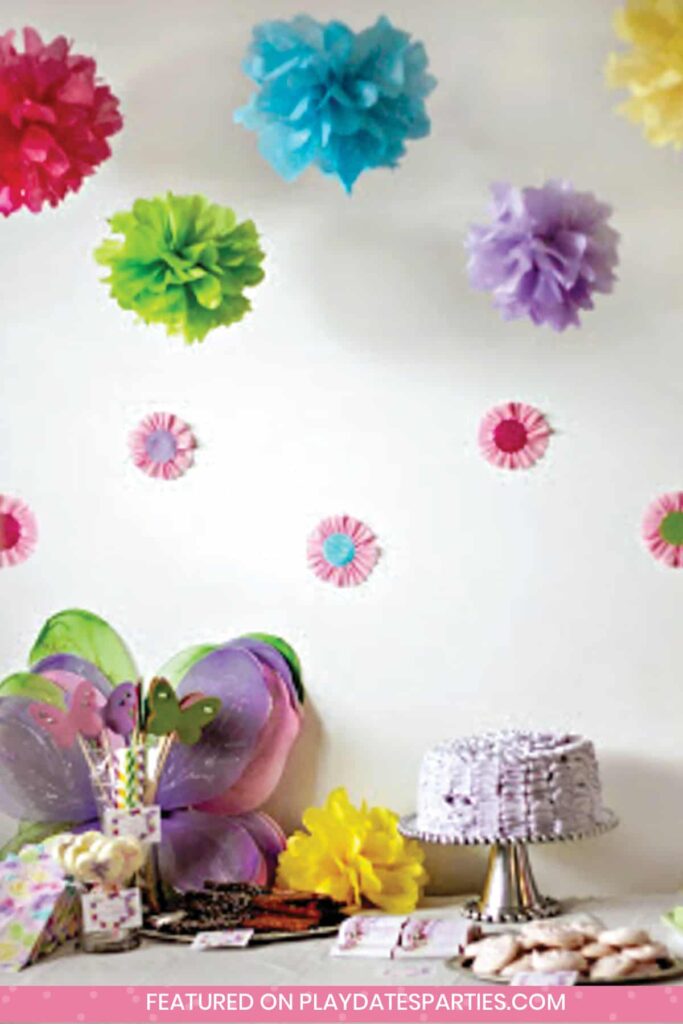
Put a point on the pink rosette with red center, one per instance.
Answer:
(18, 531)
(514, 435)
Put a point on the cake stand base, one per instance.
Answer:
(510, 892)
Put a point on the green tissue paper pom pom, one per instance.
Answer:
(183, 262)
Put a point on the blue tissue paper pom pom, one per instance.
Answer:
(328, 96)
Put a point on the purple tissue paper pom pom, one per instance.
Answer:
(545, 253)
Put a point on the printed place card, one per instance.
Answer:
(403, 938)
(438, 938)
(143, 823)
(104, 909)
(368, 936)
(233, 938)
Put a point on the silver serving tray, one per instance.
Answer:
(665, 974)
(320, 932)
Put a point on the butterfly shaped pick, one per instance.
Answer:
(121, 710)
(81, 718)
(186, 718)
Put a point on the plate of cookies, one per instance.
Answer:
(594, 954)
(271, 914)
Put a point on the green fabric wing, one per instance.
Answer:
(26, 684)
(87, 636)
(181, 663)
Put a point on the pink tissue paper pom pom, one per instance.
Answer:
(55, 118)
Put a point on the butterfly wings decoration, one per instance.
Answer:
(235, 709)
(39, 780)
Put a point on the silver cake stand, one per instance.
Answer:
(510, 892)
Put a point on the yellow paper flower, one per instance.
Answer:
(356, 855)
(652, 70)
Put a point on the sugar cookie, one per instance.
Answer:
(558, 960)
(498, 952)
(649, 951)
(522, 964)
(595, 950)
(553, 936)
(619, 937)
(610, 968)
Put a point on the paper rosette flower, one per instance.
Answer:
(663, 529)
(183, 262)
(18, 531)
(343, 101)
(652, 69)
(356, 855)
(514, 435)
(162, 446)
(55, 119)
(545, 253)
(209, 792)
(343, 551)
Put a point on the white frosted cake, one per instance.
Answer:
(509, 784)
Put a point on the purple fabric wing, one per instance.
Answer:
(199, 847)
(269, 837)
(78, 666)
(272, 658)
(196, 773)
(38, 780)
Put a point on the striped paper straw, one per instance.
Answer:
(130, 776)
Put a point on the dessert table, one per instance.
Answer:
(308, 961)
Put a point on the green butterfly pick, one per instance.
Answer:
(166, 714)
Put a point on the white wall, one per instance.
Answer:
(357, 386)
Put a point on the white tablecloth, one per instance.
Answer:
(306, 962)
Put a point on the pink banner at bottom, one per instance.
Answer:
(121, 1004)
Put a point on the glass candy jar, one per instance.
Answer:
(111, 919)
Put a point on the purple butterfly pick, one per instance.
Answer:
(121, 710)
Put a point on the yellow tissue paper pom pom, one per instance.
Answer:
(652, 70)
(356, 855)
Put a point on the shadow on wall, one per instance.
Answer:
(647, 844)
(210, 145)
(297, 788)
(428, 267)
